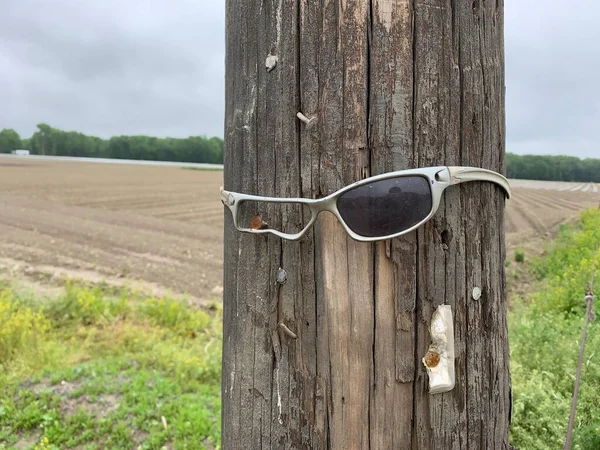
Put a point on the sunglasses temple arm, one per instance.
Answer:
(460, 174)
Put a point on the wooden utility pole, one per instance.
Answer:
(332, 358)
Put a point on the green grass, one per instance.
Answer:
(544, 335)
(98, 368)
(93, 371)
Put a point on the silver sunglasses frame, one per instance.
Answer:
(439, 177)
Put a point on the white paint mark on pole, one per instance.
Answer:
(279, 419)
(278, 25)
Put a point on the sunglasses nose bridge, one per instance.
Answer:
(324, 204)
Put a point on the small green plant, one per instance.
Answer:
(174, 315)
(87, 306)
(519, 256)
(44, 445)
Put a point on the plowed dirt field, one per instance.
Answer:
(538, 207)
(161, 227)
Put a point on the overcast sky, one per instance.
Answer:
(156, 67)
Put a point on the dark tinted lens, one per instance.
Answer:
(386, 207)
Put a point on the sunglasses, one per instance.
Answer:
(376, 208)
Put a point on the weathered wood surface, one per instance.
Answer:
(392, 84)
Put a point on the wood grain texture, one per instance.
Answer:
(391, 84)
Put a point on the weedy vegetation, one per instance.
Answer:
(96, 370)
(544, 336)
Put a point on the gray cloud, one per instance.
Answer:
(156, 67)
(112, 67)
(552, 64)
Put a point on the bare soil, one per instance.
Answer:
(160, 229)
(538, 207)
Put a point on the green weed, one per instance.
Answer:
(120, 369)
(519, 256)
(21, 328)
(544, 335)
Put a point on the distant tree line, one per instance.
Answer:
(9, 140)
(52, 141)
(556, 168)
